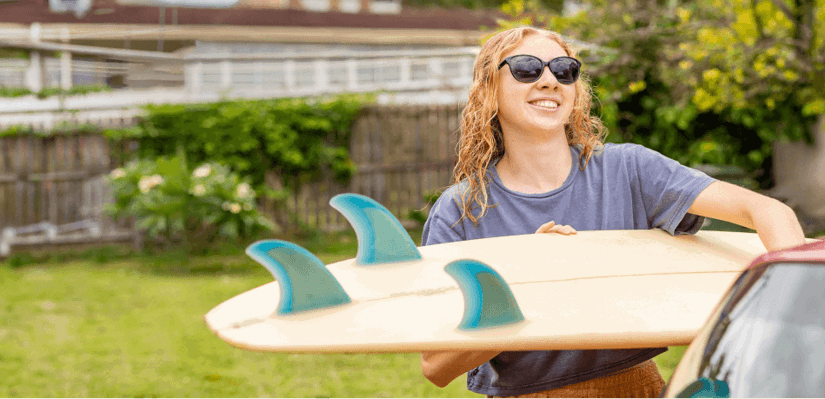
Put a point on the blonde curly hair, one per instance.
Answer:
(481, 140)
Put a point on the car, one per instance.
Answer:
(766, 337)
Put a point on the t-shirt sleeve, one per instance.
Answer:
(441, 226)
(668, 191)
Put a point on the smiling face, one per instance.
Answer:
(538, 108)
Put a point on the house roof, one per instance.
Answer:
(110, 12)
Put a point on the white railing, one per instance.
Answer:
(213, 77)
(307, 74)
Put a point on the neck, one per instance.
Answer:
(534, 164)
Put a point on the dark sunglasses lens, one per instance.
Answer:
(526, 69)
(566, 70)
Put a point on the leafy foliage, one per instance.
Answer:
(277, 144)
(173, 203)
(62, 128)
(296, 139)
(13, 53)
(14, 91)
(53, 91)
(73, 91)
(755, 54)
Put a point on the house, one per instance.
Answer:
(273, 46)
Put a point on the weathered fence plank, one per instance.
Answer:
(401, 154)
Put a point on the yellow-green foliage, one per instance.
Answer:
(754, 54)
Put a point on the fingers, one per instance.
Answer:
(551, 227)
(566, 230)
(545, 227)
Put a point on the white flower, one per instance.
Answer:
(144, 185)
(202, 171)
(235, 208)
(243, 191)
(117, 173)
(147, 183)
(199, 190)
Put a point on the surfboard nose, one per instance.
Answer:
(381, 237)
(488, 300)
(305, 282)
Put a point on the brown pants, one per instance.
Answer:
(640, 381)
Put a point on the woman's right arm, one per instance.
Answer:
(441, 368)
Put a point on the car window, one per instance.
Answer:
(770, 337)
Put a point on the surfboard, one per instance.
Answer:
(592, 290)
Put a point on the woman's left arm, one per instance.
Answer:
(775, 222)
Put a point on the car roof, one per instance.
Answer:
(813, 252)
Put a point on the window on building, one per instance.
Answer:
(243, 74)
(211, 76)
(337, 73)
(272, 75)
(419, 70)
(304, 74)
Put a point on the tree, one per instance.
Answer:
(756, 54)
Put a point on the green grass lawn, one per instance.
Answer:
(133, 327)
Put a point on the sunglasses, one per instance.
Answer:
(528, 68)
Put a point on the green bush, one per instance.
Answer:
(62, 128)
(73, 91)
(742, 138)
(290, 140)
(17, 130)
(174, 204)
(14, 91)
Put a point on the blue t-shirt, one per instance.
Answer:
(623, 187)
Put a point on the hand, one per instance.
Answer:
(551, 227)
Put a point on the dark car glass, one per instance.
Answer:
(770, 338)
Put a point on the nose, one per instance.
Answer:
(547, 79)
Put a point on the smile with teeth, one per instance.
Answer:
(549, 104)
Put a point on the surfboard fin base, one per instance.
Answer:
(305, 282)
(381, 238)
(488, 301)
(706, 388)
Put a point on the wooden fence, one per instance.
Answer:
(401, 154)
(57, 179)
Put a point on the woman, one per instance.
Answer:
(531, 153)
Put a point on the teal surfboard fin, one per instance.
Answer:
(706, 388)
(488, 301)
(305, 282)
(381, 238)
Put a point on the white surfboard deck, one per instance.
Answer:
(592, 290)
